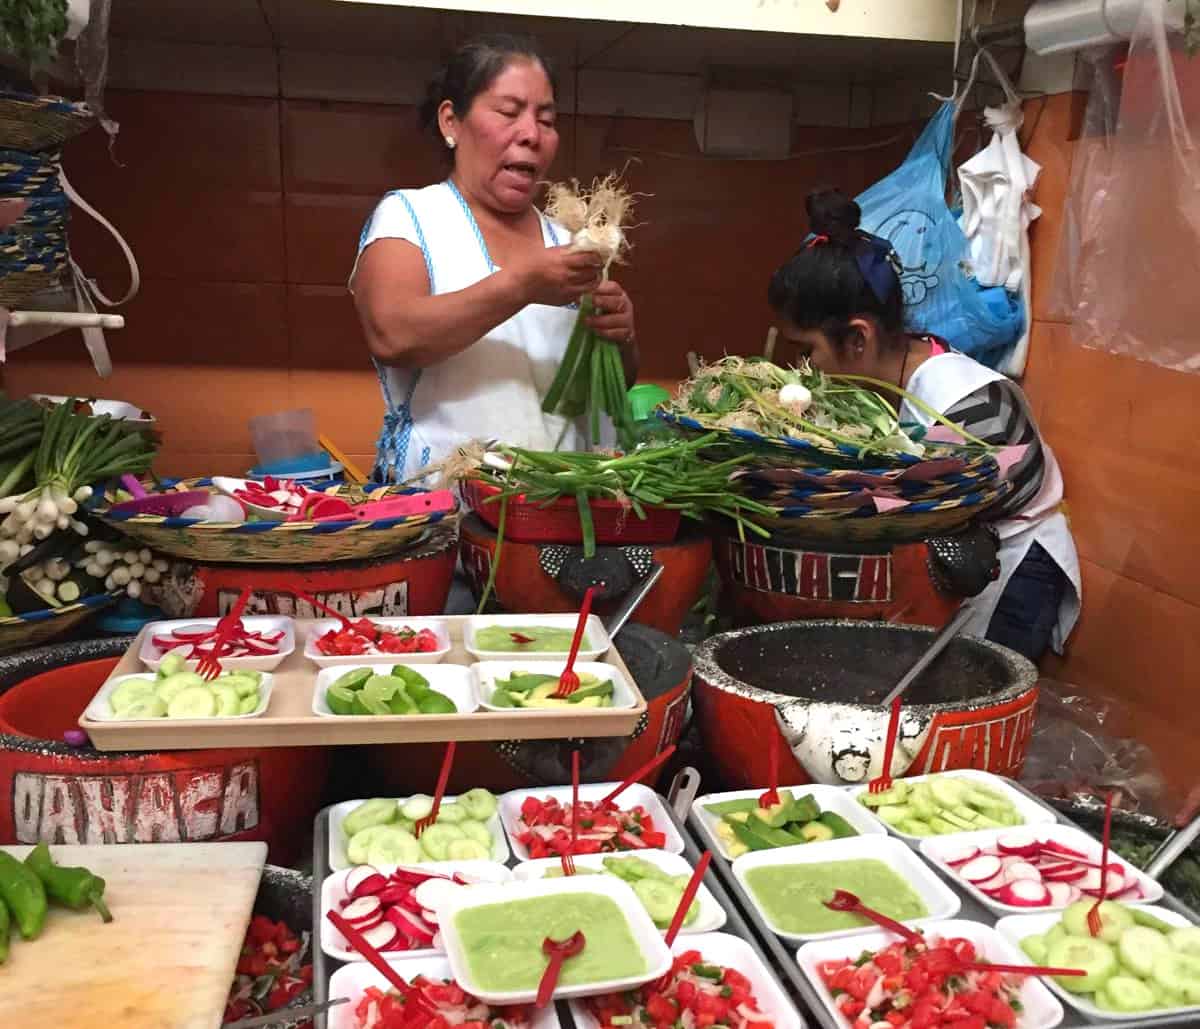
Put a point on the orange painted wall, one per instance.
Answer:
(1125, 433)
(244, 214)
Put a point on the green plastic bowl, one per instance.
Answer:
(644, 398)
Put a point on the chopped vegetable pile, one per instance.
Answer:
(363, 691)
(537, 689)
(271, 971)
(941, 805)
(380, 831)
(366, 637)
(281, 495)
(745, 825)
(177, 693)
(694, 993)
(193, 642)
(923, 987)
(453, 1007)
(544, 828)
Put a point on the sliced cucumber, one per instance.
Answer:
(170, 664)
(1141, 917)
(228, 701)
(478, 804)
(1035, 948)
(144, 707)
(467, 850)
(1179, 973)
(249, 704)
(391, 845)
(1114, 919)
(1139, 948)
(193, 702)
(1095, 957)
(130, 690)
(358, 847)
(416, 807)
(1125, 993)
(436, 840)
(478, 832)
(378, 811)
(451, 814)
(659, 899)
(1185, 940)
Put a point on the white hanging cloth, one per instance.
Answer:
(997, 208)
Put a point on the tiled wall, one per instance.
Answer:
(244, 214)
(1124, 432)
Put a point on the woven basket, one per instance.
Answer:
(17, 632)
(801, 523)
(33, 250)
(275, 542)
(34, 123)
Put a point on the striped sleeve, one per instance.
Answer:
(997, 414)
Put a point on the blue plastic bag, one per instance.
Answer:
(941, 297)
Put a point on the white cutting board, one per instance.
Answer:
(167, 959)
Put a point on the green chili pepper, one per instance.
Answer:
(74, 888)
(24, 894)
(5, 929)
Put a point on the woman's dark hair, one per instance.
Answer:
(470, 70)
(839, 273)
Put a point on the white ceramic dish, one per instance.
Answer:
(337, 842)
(99, 711)
(829, 798)
(1015, 928)
(595, 634)
(118, 410)
(436, 625)
(729, 952)
(1040, 1009)
(710, 917)
(152, 657)
(333, 892)
(634, 795)
(487, 672)
(940, 901)
(647, 938)
(933, 847)
(452, 681)
(352, 980)
(1030, 810)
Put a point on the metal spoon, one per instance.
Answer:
(633, 598)
(944, 635)
(1172, 847)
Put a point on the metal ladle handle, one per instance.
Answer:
(632, 599)
(1172, 847)
(945, 634)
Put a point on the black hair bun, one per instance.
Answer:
(831, 213)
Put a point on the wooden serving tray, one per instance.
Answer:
(289, 720)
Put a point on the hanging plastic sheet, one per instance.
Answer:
(908, 207)
(1129, 258)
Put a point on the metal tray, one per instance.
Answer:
(784, 957)
(324, 966)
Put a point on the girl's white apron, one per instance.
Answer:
(942, 382)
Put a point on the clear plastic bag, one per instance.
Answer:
(1130, 247)
(1073, 754)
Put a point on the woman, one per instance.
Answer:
(840, 305)
(464, 288)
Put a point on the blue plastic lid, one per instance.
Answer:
(314, 462)
(128, 616)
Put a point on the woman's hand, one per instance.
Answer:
(614, 313)
(555, 276)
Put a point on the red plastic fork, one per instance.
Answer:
(568, 859)
(568, 682)
(1094, 922)
(883, 782)
(319, 606)
(210, 666)
(844, 900)
(443, 778)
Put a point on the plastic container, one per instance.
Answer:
(644, 398)
(99, 710)
(595, 634)
(487, 672)
(431, 657)
(152, 657)
(285, 435)
(454, 682)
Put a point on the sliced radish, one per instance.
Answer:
(193, 633)
(1026, 893)
(1063, 872)
(381, 936)
(1020, 844)
(980, 869)
(437, 942)
(1058, 848)
(1076, 893)
(1094, 883)
(410, 903)
(1060, 894)
(401, 942)
(363, 912)
(959, 855)
(412, 925)
(414, 876)
(393, 893)
(360, 874)
(431, 917)
(1023, 870)
(432, 893)
(1131, 892)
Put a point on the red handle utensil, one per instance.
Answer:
(987, 966)
(689, 895)
(844, 900)
(443, 778)
(771, 797)
(319, 606)
(568, 682)
(210, 665)
(568, 860)
(1094, 922)
(639, 773)
(559, 952)
(883, 782)
(410, 993)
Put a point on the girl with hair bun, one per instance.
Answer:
(839, 304)
(464, 288)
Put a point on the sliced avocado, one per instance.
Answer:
(728, 807)
(599, 690)
(777, 815)
(841, 828)
(749, 837)
(590, 702)
(805, 809)
(741, 817)
(816, 832)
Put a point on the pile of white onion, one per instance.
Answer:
(33, 516)
(121, 567)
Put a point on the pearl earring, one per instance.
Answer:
(451, 142)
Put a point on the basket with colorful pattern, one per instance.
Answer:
(18, 632)
(269, 542)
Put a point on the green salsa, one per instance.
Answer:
(542, 639)
(793, 896)
(503, 942)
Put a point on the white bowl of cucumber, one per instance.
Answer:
(828, 810)
(181, 696)
(658, 877)
(379, 831)
(1145, 962)
(948, 803)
